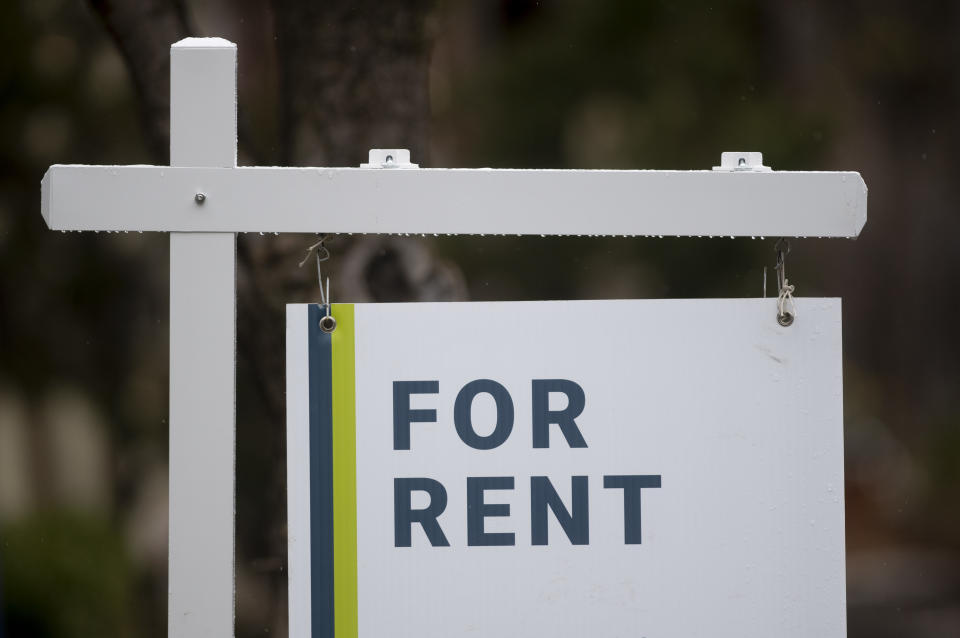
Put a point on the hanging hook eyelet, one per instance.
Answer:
(786, 309)
(785, 318)
(328, 323)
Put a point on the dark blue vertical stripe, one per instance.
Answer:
(321, 475)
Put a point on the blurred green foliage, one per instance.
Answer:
(627, 84)
(65, 575)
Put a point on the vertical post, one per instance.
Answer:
(203, 132)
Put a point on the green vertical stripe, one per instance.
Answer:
(344, 474)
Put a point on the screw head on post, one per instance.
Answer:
(199, 198)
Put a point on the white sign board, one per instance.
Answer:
(661, 468)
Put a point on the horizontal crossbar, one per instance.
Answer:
(455, 201)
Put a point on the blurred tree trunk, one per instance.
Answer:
(353, 77)
(143, 31)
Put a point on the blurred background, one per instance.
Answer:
(872, 86)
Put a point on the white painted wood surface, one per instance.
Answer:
(457, 201)
(203, 127)
(299, 596)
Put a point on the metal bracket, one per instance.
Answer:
(742, 161)
(389, 158)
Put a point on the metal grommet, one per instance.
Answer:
(329, 324)
(785, 319)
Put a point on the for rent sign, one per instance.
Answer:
(657, 468)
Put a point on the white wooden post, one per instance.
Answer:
(203, 132)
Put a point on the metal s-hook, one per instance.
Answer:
(327, 322)
(786, 309)
(322, 253)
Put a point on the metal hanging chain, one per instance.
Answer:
(786, 308)
(327, 322)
